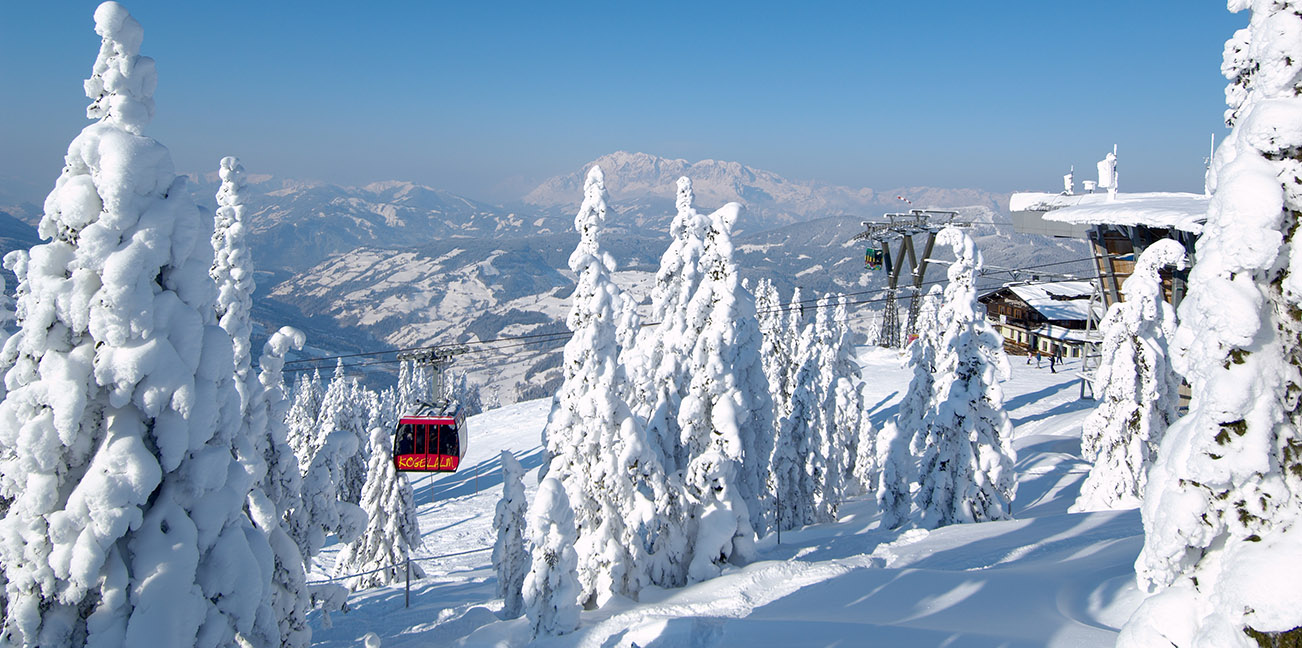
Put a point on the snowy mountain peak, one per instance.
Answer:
(771, 200)
(631, 176)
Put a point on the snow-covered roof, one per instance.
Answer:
(1063, 334)
(1060, 300)
(1182, 211)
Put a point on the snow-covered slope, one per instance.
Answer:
(1048, 578)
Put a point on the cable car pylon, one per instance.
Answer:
(903, 227)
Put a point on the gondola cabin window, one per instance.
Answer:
(429, 443)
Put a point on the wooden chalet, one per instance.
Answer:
(1052, 318)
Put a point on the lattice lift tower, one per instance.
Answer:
(903, 227)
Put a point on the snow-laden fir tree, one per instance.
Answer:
(129, 528)
(848, 402)
(7, 316)
(864, 473)
(8, 319)
(510, 555)
(324, 513)
(835, 389)
(392, 532)
(344, 411)
(232, 270)
(928, 325)
(659, 368)
(1222, 544)
(594, 445)
(966, 472)
(283, 487)
(300, 420)
(776, 352)
(725, 416)
(466, 394)
(331, 444)
(551, 588)
(795, 460)
(1137, 386)
(904, 438)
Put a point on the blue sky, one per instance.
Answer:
(487, 98)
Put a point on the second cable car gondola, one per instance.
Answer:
(872, 258)
(432, 440)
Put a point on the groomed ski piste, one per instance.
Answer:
(1046, 579)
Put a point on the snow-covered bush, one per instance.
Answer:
(551, 588)
(966, 472)
(1222, 545)
(129, 527)
(392, 531)
(510, 555)
(1138, 388)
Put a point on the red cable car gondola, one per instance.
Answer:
(433, 440)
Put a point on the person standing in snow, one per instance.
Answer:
(1053, 362)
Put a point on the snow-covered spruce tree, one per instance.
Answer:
(300, 420)
(510, 555)
(776, 352)
(967, 465)
(119, 402)
(551, 588)
(593, 444)
(905, 437)
(232, 270)
(848, 415)
(1137, 386)
(929, 326)
(659, 375)
(1222, 544)
(392, 531)
(866, 469)
(283, 486)
(795, 459)
(323, 512)
(659, 368)
(330, 444)
(343, 411)
(829, 480)
(726, 413)
(7, 317)
(467, 394)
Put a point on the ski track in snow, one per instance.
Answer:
(1047, 578)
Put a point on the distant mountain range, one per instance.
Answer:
(396, 264)
(649, 182)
